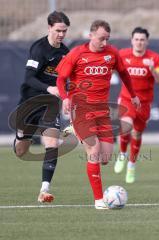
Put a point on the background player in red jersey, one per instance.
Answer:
(143, 67)
(89, 67)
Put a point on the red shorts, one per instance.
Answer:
(91, 119)
(139, 117)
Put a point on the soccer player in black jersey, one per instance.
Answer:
(40, 81)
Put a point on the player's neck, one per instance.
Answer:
(139, 53)
(92, 48)
(53, 44)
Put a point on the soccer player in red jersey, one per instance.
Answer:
(143, 67)
(89, 67)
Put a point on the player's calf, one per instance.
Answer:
(21, 147)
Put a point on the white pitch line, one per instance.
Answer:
(142, 204)
(45, 206)
(75, 206)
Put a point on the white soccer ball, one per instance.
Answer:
(115, 197)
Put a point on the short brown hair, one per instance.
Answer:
(100, 23)
(140, 30)
(58, 17)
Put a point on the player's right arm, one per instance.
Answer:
(34, 65)
(64, 70)
(125, 77)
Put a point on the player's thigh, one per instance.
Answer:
(139, 126)
(104, 128)
(126, 108)
(83, 128)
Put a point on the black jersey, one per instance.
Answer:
(40, 68)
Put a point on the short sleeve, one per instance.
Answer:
(36, 59)
(156, 62)
(119, 66)
(66, 65)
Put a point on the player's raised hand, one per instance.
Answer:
(136, 102)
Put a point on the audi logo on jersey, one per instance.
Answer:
(135, 71)
(96, 70)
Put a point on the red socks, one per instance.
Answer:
(93, 172)
(124, 141)
(134, 149)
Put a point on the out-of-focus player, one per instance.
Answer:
(89, 67)
(143, 67)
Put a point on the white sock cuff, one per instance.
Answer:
(124, 153)
(131, 164)
(45, 187)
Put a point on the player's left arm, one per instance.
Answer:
(154, 68)
(126, 79)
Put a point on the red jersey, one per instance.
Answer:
(90, 72)
(141, 76)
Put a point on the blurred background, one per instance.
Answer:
(24, 21)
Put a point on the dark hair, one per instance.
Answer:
(100, 23)
(57, 17)
(140, 30)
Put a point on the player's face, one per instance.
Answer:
(139, 43)
(99, 39)
(57, 32)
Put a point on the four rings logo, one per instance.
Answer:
(135, 71)
(96, 70)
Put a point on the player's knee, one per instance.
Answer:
(137, 135)
(52, 143)
(93, 156)
(126, 125)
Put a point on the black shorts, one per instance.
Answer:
(36, 123)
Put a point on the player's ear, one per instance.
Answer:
(49, 28)
(132, 42)
(90, 35)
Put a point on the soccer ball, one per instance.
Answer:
(115, 197)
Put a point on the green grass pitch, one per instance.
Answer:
(20, 183)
